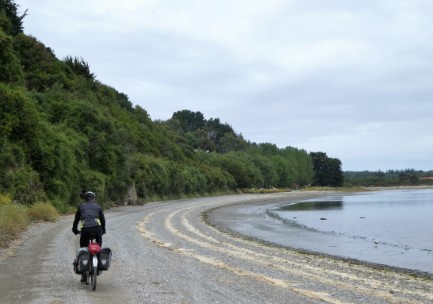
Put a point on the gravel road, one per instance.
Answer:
(165, 252)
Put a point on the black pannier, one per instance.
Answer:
(104, 259)
(82, 262)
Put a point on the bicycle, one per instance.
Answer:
(92, 271)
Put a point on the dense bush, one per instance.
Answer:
(407, 177)
(63, 132)
(10, 66)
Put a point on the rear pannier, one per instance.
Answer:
(83, 261)
(104, 259)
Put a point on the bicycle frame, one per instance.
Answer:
(92, 273)
(94, 249)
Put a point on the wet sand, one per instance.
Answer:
(250, 221)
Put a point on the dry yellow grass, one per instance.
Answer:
(43, 211)
(13, 220)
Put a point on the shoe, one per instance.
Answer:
(83, 278)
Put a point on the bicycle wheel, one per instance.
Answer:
(93, 276)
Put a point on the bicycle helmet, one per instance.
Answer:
(89, 195)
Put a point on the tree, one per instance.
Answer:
(327, 171)
(10, 21)
(408, 177)
(231, 142)
(80, 67)
(267, 169)
(268, 149)
(10, 65)
(189, 121)
(41, 67)
(239, 165)
(217, 130)
(199, 139)
(286, 176)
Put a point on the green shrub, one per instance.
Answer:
(43, 211)
(62, 206)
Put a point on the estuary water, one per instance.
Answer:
(390, 227)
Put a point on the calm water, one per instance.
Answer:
(393, 227)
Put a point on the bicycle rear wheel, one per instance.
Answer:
(93, 276)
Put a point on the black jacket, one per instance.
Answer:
(90, 215)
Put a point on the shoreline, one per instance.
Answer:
(226, 218)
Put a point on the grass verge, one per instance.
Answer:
(337, 189)
(44, 212)
(14, 219)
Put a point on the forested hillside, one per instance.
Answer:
(62, 132)
(408, 177)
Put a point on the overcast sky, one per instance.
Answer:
(353, 79)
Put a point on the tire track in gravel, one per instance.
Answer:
(183, 231)
(225, 266)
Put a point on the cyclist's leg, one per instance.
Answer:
(85, 237)
(98, 231)
(94, 232)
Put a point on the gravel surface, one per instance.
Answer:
(166, 252)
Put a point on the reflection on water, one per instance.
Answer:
(314, 205)
(392, 227)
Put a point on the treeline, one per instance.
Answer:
(407, 177)
(63, 132)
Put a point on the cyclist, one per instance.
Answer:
(92, 221)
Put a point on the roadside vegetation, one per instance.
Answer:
(337, 189)
(14, 218)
